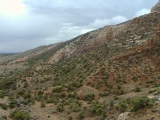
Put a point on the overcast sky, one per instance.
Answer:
(26, 24)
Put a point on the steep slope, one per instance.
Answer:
(156, 8)
(98, 75)
(133, 33)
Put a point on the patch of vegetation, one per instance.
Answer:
(19, 115)
(4, 106)
(141, 103)
(97, 108)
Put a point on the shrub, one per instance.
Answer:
(141, 103)
(70, 118)
(57, 89)
(137, 89)
(89, 97)
(134, 78)
(1, 95)
(75, 107)
(60, 107)
(81, 115)
(53, 100)
(3, 106)
(103, 94)
(21, 92)
(12, 103)
(43, 104)
(97, 108)
(122, 106)
(19, 115)
(27, 95)
(62, 95)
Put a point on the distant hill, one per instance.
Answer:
(7, 53)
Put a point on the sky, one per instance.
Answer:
(26, 24)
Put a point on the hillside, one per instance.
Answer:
(112, 73)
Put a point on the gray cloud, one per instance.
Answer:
(50, 21)
(142, 12)
(102, 22)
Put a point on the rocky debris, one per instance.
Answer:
(4, 101)
(51, 110)
(34, 117)
(123, 116)
(111, 118)
(3, 117)
(19, 101)
(154, 111)
(155, 96)
(24, 109)
(153, 118)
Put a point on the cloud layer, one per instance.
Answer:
(48, 21)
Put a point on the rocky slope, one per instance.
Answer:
(21, 57)
(156, 8)
(112, 73)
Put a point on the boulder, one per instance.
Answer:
(123, 116)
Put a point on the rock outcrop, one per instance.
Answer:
(156, 8)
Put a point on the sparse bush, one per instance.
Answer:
(97, 108)
(57, 89)
(89, 97)
(137, 89)
(3, 106)
(21, 92)
(12, 103)
(19, 115)
(116, 97)
(141, 103)
(43, 104)
(81, 115)
(1, 95)
(53, 100)
(103, 94)
(60, 107)
(70, 118)
(134, 78)
(122, 106)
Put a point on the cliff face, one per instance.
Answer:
(156, 8)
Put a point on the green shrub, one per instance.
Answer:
(53, 100)
(134, 78)
(97, 108)
(122, 106)
(57, 89)
(21, 92)
(27, 95)
(89, 97)
(62, 95)
(81, 115)
(60, 107)
(141, 103)
(1, 95)
(43, 104)
(19, 115)
(12, 103)
(137, 89)
(75, 106)
(3, 106)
